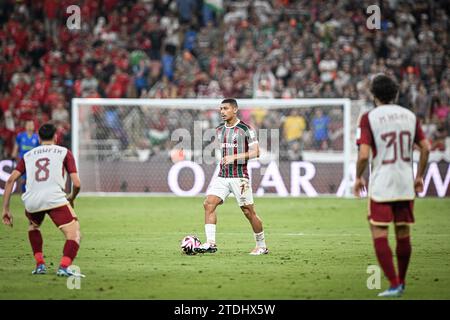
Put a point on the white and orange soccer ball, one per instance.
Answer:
(189, 243)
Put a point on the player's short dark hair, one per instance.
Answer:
(47, 131)
(384, 88)
(233, 102)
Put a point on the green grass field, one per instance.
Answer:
(320, 249)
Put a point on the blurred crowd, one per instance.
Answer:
(214, 49)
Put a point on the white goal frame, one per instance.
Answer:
(206, 104)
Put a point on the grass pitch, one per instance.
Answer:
(320, 249)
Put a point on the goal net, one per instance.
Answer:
(165, 146)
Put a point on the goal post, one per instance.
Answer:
(132, 145)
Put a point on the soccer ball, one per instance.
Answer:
(189, 243)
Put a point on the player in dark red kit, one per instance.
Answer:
(388, 133)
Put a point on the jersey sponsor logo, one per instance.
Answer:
(27, 148)
(229, 145)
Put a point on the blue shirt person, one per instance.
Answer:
(168, 62)
(25, 141)
(320, 125)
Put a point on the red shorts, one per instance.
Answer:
(61, 216)
(383, 213)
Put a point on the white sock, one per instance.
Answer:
(210, 230)
(260, 241)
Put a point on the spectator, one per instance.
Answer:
(113, 124)
(51, 12)
(293, 127)
(89, 83)
(327, 68)
(438, 109)
(186, 9)
(6, 141)
(60, 114)
(320, 124)
(439, 137)
(429, 127)
(168, 65)
(421, 102)
(141, 72)
(190, 39)
(264, 90)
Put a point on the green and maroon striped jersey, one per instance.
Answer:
(234, 140)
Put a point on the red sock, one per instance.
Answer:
(69, 253)
(403, 251)
(384, 255)
(36, 244)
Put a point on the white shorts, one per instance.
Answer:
(240, 187)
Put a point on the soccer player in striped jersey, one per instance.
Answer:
(238, 144)
(389, 133)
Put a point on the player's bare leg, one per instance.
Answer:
(403, 251)
(35, 237)
(379, 231)
(257, 226)
(73, 237)
(384, 256)
(210, 204)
